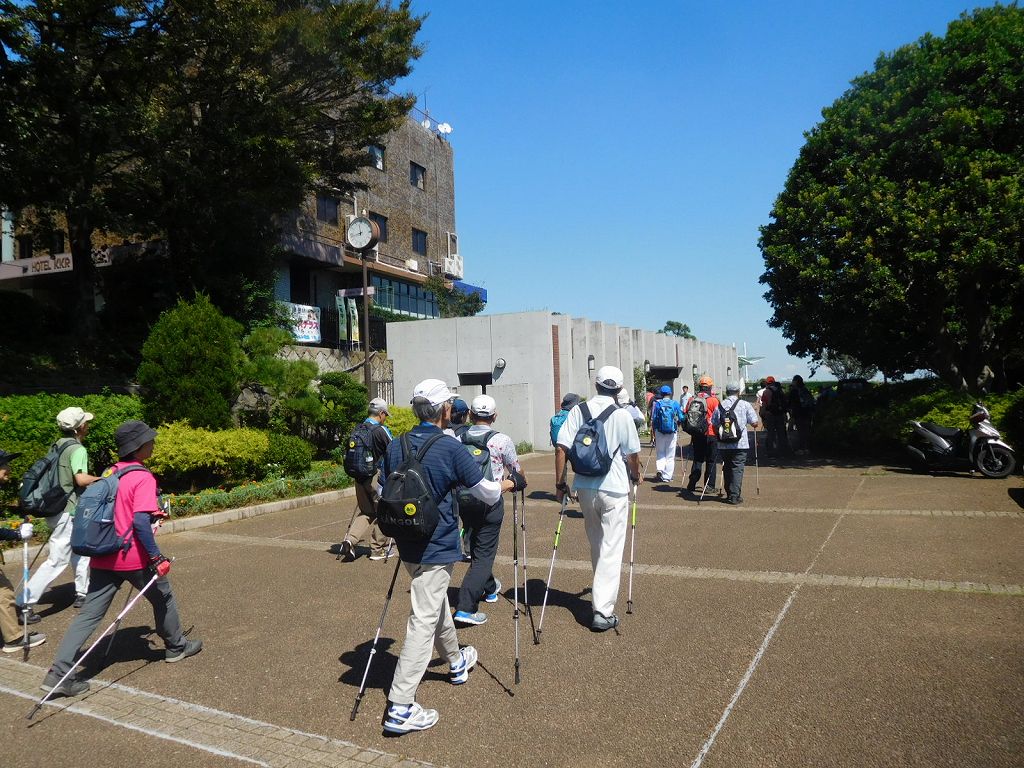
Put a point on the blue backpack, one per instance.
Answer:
(665, 416)
(92, 527)
(588, 453)
(556, 424)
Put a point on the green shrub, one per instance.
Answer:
(188, 457)
(524, 447)
(345, 402)
(293, 407)
(191, 365)
(401, 420)
(292, 454)
(28, 426)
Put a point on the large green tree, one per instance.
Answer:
(899, 236)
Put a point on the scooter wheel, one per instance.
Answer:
(995, 461)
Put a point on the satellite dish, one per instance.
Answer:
(426, 123)
(444, 128)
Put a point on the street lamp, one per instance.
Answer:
(647, 366)
(591, 364)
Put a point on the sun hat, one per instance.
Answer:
(665, 389)
(131, 436)
(609, 377)
(570, 400)
(732, 386)
(73, 418)
(434, 391)
(6, 457)
(483, 405)
(378, 405)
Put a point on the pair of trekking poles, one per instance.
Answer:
(516, 526)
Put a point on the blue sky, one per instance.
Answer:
(605, 152)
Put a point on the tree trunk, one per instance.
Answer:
(80, 231)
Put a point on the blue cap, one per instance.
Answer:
(665, 389)
(459, 406)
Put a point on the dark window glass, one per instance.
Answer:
(377, 155)
(326, 209)
(417, 174)
(419, 241)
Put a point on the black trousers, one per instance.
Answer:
(482, 529)
(705, 456)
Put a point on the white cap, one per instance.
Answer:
(378, 405)
(483, 405)
(623, 397)
(732, 386)
(609, 377)
(434, 391)
(73, 417)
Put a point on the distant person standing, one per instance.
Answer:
(773, 414)
(734, 452)
(568, 402)
(665, 418)
(801, 408)
(684, 398)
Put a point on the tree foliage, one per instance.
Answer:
(675, 328)
(452, 302)
(847, 367)
(898, 238)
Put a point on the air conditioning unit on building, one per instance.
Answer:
(453, 266)
(412, 265)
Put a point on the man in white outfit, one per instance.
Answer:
(74, 476)
(665, 419)
(604, 499)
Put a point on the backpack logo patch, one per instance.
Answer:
(410, 509)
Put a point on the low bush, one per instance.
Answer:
(524, 447)
(187, 457)
(401, 420)
(292, 454)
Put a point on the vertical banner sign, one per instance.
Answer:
(339, 304)
(353, 315)
(305, 323)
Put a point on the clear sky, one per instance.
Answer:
(606, 151)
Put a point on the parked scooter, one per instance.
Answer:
(945, 448)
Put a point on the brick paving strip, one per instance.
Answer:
(969, 513)
(685, 572)
(196, 726)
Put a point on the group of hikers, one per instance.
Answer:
(435, 494)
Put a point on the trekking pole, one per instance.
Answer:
(376, 637)
(526, 583)
(350, 521)
(82, 658)
(632, 542)
(387, 552)
(649, 455)
(551, 570)
(24, 596)
(117, 626)
(706, 484)
(515, 577)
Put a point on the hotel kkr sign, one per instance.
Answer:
(44, 265)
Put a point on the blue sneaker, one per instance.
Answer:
(403, 718)
(493, 596)
(465, 617)
(460, 669)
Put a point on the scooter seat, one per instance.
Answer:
(946, 432)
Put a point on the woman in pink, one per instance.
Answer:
(135, 509)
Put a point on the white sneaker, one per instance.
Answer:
(403, 718)
(460, 669)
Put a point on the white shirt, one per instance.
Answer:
(619, 433)
(745, 417)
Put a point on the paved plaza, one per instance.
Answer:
(846, 615)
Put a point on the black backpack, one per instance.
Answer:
(407, 510)
(92, 529)
(778, 401)
(479, 453)
(728, 430)
(696, 422)
(588, 453)
(41, 493)
(360, 462)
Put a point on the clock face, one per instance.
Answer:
(360, 233)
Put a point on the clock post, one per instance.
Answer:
(366, 325)
(362, 234)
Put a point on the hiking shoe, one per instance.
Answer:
(602, 623)
(460, 669)
(34, 639)
(378, 555)
(28, 616)
(72, 685)
(192, 647)
(403, 718)
(493, 596)
(691, 487)
(466, 558)
(345, 553)
(79, 601)
(465, 617)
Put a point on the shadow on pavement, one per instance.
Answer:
(1017, 496)
(382, 671)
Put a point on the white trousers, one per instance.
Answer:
(605, 516)
(60, 556)
(665, 446)
(430, 623)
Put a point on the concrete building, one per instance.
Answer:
(527, 361)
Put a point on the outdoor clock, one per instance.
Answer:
(362, 233)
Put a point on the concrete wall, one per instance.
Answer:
(535, 377)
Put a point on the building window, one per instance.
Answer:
(382, 222)
(417, 173)
(376, 156)
(24, 246)
(419, 241)
(327, 209)
(58, 242)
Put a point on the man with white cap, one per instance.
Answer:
(447, 466)
(373, 438)
(73, 474)
(734, 452)
(482, 522)
(604, 499)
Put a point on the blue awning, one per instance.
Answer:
(468, 289)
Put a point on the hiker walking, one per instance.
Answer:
(665, 418)
(482, 522)
(773, 414)
(74, 477)
(703, 439)
(367, 445)
(457, 421)
(631, 408)
(446, 465)
(604, 498)
(731, 419)
(568, 402)
(801, 408)
(136, 515)
(11, 632)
